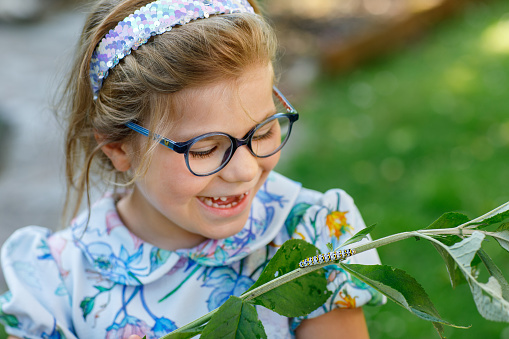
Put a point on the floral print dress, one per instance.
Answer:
(101, 281)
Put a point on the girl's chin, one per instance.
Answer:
(222, 230)
(225, 233)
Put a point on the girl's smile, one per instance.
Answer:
(226, 207)
(172, 208)
(224, 202)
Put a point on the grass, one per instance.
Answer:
(411, 136)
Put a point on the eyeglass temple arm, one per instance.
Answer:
(281, 97)
(137, 128)
(142, 130)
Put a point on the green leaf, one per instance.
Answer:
(489, 300)
(495, 272)
(455, 275)
(234, 319)
(493, 217)
(488, 297)
(464, 251)
(496, 218)
(449, 220)
(297, 297)
(359, 236)
(401, 288)
(329, 247)
(87, 305)
(502, 236)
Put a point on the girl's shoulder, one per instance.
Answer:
(334, 198)
(322, 218)
(34, 242)
(318, 218)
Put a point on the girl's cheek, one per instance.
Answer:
(271, 162)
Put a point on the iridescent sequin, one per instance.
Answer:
(155, 18)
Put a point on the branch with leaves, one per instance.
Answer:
(292, 291)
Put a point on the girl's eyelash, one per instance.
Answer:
(263, 136)
(203, 154)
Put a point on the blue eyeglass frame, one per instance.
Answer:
(184, 146)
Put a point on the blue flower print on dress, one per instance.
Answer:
(128, 326)
(158, 257)
(121, 268)
(227, 282)
(55, 334)
(163, 326)
(268, 197)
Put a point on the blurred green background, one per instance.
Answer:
(411, 136)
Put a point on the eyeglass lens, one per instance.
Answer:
(210, 153)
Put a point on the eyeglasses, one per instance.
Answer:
(209, 153)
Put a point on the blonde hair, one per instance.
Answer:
(140, 87)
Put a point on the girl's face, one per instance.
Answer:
(172, 208)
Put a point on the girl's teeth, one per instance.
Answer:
(223, 206)
(213, 201)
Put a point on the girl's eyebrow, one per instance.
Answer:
(191, 135)
(271, 113)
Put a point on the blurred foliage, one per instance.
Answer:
(411, 136)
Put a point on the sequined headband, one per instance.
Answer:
(155, 18)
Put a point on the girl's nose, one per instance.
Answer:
(243, 166)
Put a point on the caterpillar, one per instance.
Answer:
(331, 256)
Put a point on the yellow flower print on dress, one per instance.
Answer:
(345, 300)
(337, 224)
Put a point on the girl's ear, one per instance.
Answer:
(117, 152)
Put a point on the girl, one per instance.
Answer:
(173, 101)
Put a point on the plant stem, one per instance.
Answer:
(405, 235)
(498, 210)
(384, 241)
(303, 271)
(193, 324)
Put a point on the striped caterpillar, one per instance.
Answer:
(331, 256)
